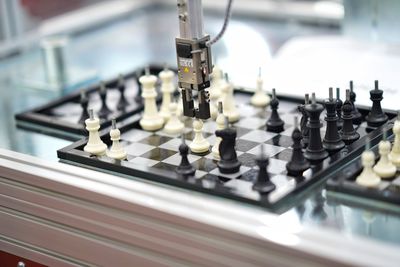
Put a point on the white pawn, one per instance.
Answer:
(167, 88)
(384, 168)
(368, 177)
(174, 125)
(116, 151)
(151, 120)
(394, 155)
(95, 145)
(228, 101)
(199, 144)
(220, 125)
(260, 99)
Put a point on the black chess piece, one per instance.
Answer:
(263, 184)
(122, 102)
(332, 141)
(315, 152)
(376, 117)
(303, 122)
(349, 134)
(138, 96)
(104, 110)
(297, 164)
(339, 104)
(84, 101)
(185, 169)
(229, 162)
(357, 116)
(275, 123)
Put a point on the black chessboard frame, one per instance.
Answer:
(74, 154)
(343, 185)
(41, 119)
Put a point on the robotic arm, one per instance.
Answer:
(193, 49)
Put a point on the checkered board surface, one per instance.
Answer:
(62, 115)
(155, 156)
(344, 182)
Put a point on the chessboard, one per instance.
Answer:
(154, 155)
(63, 117)
(343, 183)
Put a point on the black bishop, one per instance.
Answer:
(297, 164)
(275, 123)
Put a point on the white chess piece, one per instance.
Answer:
(384, 168)
(215, 91)
(116, 151)
(220, 125)
(394, 155)
(151, 120)
(230, 109)
(174, 125)
(179, 111)
(167, 88)
(199, 144)
(95, 145)
(260, 98)
(368, 177)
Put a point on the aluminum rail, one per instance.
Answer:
(56, 212)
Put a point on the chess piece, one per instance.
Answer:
(116, 151)
(174, 125)
(185, 169)
(217, 82)
(122, 102)
(384, 168)
(167, 88)
(138, 96)
(332, 141)
(297, 164)
(339, 104)
(376, 117)
(151, 120)
(229, 162)
(349, 134)
(275, 123)
(199, 144)
(230, 109)
(104, 110)
(95, 145)
(315, 152)
(84, 104)
(263, 184)
(394, 155)
(357, 117)
(179, 111)
(220, 125)
(260, 98)
(303, 122)
(368, 177)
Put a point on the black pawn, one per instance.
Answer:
(332, 141)
(349, 134)
(263, 184)
(122, 102)
(275, 123)
(297, 164)
(229, 162)
(138, 96)
(315, 152)
(84, 104)
(303, 122)
(376, 117)
(185, 169)
(104, 110)
(357, 117)
(339, 104)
